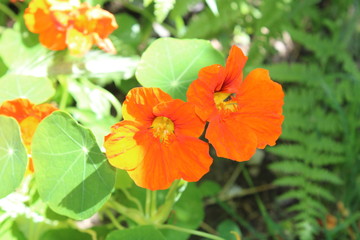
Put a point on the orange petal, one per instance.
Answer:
(105, 44)
(77, 42)
(37, 16)
(53, 39)
(122, 149)
(201, 91)
(231, 140)
(139, 104)
(19, 108)
(260, 106)
(185, 158)
(182, 115)
(233, 70)
(105, 22)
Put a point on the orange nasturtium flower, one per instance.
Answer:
(243, 114)
(157, 142)
(71, 24)
(28, 115)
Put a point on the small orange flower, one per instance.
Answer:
(158, 140)
(28, 115)
(69, 23)
(243, 114)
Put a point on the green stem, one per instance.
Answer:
(190, 231)
(153, 206)
(131, 213)
(113, 219)
(133, 199)
(65, 93)
(5, 9)
(148, 203)
(164, 211)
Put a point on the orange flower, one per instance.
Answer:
(28, 116)
(68, 23)
(158, 140)
(243, 114)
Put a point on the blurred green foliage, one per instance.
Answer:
(310, 46)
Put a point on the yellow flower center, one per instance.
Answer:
(163, 128)
(224, 101)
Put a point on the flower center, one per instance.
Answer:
(162, 128)
(224, 101)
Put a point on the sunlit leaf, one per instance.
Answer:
(172, 64)
(137, 233)
(22, 59)
(72, 175)
(13, 156)
(36, 89)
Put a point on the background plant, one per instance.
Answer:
(311, 47)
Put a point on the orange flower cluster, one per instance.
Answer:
(70, 24)
(158, 140)
(243, 114)
(28, 115)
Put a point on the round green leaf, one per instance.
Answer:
(13, 156)
(172, 64)
(36, 89)
(72, 175)
(65, 233)
(137, 233)
(228, 230)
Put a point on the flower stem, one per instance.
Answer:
(153, 206)
(65, 93)
(133, 199)
(164, 211)
(130, 213)
(113, 219)
(190, 231)
(6, 10)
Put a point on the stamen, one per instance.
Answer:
(163, 129)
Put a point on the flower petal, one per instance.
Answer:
(233, 70)
(139, 104)
(183, 115)
(37, 16)
(260, 106)
(19, 108)
(185, 158)
(230, 139)
(122, 149)
(53, 39)
(201, 91)
(77, 42)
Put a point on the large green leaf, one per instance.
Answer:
(13, 156)
(65, 233)
(72, 175)
(22, 59)
(36, 89)
(137, 233)
(172, 64)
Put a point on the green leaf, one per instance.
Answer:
(228, 230)
(72, 175)
(123, 180)
(36, 89)
(137, 233)
(147, 2)
(10, 231)
(22, 59)
(65, 233)
(129, 32)
(172, 64)
(209, 188)
(188, 212)
(13, 156)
